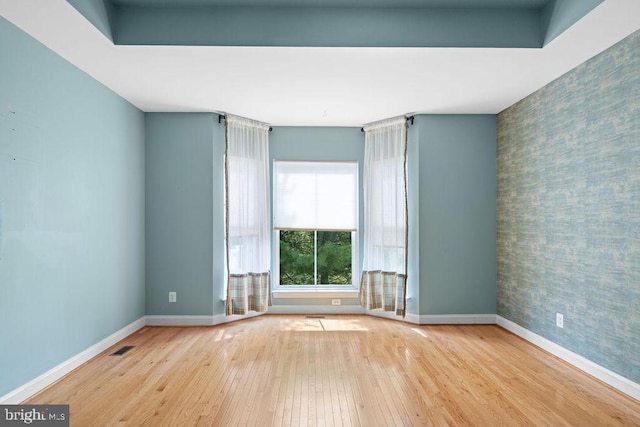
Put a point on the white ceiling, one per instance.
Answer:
(286, 86)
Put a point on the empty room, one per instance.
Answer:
(320, 212)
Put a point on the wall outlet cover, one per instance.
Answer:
(559, 320)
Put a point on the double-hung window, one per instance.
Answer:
(315, 224)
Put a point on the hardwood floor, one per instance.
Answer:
(336, 371)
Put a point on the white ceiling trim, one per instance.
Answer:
(319, 86)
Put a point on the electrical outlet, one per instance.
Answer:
(336, 301)
(172, 297)
(559, 320)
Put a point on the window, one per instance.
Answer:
(315, 223)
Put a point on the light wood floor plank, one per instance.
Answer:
(338, 371)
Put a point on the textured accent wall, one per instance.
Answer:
(569, 210)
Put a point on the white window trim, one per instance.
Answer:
(315, 293)
(318, 291)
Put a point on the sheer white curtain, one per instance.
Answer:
(384, 277)
(247, 216)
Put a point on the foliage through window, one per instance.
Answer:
(315, 257)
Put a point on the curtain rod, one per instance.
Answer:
(409, 119)
(222, 117)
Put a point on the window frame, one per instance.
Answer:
(318, 290)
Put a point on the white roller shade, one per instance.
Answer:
(315, 195)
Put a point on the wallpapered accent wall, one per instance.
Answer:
(569, 210)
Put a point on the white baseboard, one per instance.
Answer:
(600, 372)
(179, 320)
(52, 375)
(412, 318)
(204, 320)
(457, 319)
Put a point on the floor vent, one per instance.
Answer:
(314, 317)
(122, 351)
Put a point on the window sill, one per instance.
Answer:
(315, 293)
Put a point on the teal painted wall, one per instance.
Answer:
(101, 13)
(457, 213)
(71, 210)
(185, 213)
(413, 213)
(569, 210)
(559, 15)
(292, 25)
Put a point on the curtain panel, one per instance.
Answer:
(384, 276)
(248, 244)
(384, 290)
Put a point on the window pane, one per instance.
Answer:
(334, 257)
(296, 257)
(315, 195)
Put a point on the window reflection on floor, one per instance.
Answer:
(321, 324)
